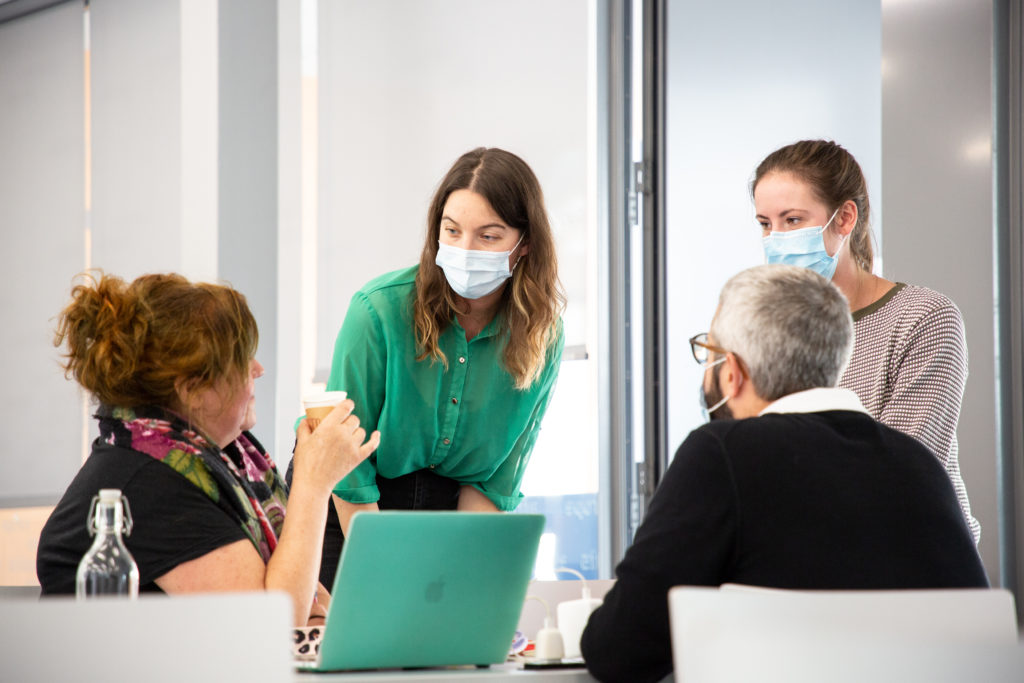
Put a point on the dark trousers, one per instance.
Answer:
(419, 490)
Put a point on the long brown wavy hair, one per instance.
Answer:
(131, 344)
(835, 177)
(533, 300)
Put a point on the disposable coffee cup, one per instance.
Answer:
(318, 404)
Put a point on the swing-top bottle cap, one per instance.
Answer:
(110, 495)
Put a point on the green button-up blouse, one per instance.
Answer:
(467, 422)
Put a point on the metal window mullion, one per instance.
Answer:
(614, 479)
(1008, 64)
(655, 435)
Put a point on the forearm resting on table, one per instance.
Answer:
(346, 510)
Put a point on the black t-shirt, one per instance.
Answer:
(174, 521)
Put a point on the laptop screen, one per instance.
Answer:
(427, 588)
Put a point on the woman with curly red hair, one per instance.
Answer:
(172, 366)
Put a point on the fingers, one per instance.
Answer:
(361, 450)
(346, 420)
(370, 446)
(341, 412)
(338, 434)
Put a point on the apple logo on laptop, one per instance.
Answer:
(435, 590)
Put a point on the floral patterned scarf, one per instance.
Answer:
(241, 479)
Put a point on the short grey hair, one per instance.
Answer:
(790, 326)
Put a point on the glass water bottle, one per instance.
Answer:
(108, 568)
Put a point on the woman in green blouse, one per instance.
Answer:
(454, 360)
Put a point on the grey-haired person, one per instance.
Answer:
(792, 484)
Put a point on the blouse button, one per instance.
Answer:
(462, 359)
(433, 466)
(447, 441)
(455, 401)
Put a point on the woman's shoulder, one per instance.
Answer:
(384, 300)
(913, 315)
(925, 297)
(110, 461)
(907, 303)
(396, 281)
(138, 476)
(111, 466)
(922, 303)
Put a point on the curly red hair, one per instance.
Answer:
(132, 344)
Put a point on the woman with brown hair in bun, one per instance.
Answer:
(172, 366)
(909, 362)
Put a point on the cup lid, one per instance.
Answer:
(323, 398)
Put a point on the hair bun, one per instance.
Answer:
(104, 332)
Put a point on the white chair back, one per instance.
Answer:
(212, 637)
(743, 633)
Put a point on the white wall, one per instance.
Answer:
(407, 87)
(743, 79)
(184, 177)
(136, 136)
(937, 136)
(42, 243)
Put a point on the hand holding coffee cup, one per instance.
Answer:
(327, 455)
(317, 405)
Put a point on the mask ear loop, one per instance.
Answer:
(718, 405)
(744, 376)
(521, 238)
(824, 227)
(721, 401)
(842, 238)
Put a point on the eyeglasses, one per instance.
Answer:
(699, 346)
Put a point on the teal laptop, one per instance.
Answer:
(428, 589)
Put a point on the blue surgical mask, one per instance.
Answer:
(474, 273)
(804, 247)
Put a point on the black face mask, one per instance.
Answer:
(712, 397)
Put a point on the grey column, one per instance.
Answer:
(247, 179)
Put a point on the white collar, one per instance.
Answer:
(816, 401)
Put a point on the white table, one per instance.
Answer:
(494, 674)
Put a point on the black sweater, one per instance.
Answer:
(827, 500)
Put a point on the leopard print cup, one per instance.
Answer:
(306, 642)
